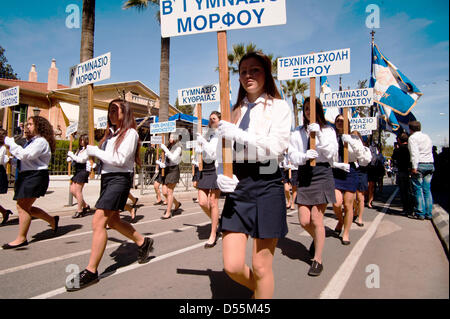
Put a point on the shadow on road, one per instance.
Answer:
(294, 250)
(219, 280)
(203, 232)
(62, 230)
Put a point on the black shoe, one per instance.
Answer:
(5, 219)
(158, 203)
(86, 210)
(338, 231)
(56, 224)
(211, 245)
(8, 246)
(312, 249)
(164, 217)
(144, 250)
(86, 279)
(345, 242)
(316, 269)
(77, 215)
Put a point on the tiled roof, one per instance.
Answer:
(27, 85)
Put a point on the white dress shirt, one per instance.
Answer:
(121, 160)
(270, 124)
(3, 157)
(174, 155)
(357, 152)
(209, 149)
(326, 146)
(420, 149)
(81, 157)
(35, 156)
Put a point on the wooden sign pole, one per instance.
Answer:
(224, 99)
(69, 169)
(199, 130)
(346, 128)
(10, 134)
(312, 115)
(91, 124)
(162, 155)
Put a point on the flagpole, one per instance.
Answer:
(371, 75)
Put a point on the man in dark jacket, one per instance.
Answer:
(402, 162)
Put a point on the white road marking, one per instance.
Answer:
(337, 284)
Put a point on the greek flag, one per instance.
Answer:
(330, 112)
(393, 91)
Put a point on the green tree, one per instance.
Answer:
(165, 57)
(186, 109)
(6, 70)
(292, 88)
(86, 53)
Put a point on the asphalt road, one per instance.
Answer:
(390, 257)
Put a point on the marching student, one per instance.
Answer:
(293, 180)
(120, 145)
(315, 184)
(208, 191)
(255, 204)
(132, 208)
(346, 177)
(284, 168)
(33, 178)
(3, 177)
(171, 177)
(363, 184)
(81, 175)
(195, 174)
(157, 183)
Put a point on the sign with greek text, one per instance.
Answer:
(200, 94)
(365, 132)
(72, 128)
(314, 65)
(91, 71)
(156, 140)
(348, 98)
(9, 97)
(191, 144)
(184, 17)
(362, 124)
(102, 122)
(163, 127)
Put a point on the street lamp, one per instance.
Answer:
(36, 111)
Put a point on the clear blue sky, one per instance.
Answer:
(413, 35)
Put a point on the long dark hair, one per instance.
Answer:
(218, 114)
(320, 116)
(269, 83)
(127, 123)
(83, 138)
(3, 133)
(42, 127)
(348, 123)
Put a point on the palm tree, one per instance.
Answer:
(292, 88)
(86, 53)
(239, 50)
(165, 57)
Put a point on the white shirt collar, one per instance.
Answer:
(260, 99)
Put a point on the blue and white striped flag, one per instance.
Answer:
(393, 91)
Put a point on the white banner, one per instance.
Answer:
(91, 71)
(363, 124)
(72, 128)
(199, 94)
(348, 98)
(163, 127)
(102, 122)
(156, 140)
(314, 65)
(191, 144)
(198, 16)
(9, 97)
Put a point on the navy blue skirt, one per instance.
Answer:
(208, 180)
(81, 175)
(31, 184)
(346, 182)
(284, 176)
(114, 190)
(3, 180)
(363, 180)
(294, 177)
(257, 207)
(315, 185)
(196, 175)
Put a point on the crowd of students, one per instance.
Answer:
(274, 170)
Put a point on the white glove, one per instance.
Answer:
(6, 159)
(314, 127)
(9, 141)
(227, 130)
(164, 148)
(342, 166)
(94, 165)
(198, 149)
(91, 150)
(200, 139)
(346, 138)
(69, 159)
(311, 154)
(70, 154)
(161, 164)
(226, 184)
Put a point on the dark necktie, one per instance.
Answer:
(341, 149)
(246, 119)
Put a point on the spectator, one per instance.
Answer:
(420, 149)
(402, 163)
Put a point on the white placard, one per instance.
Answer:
(361, 124)
(199, 94)
(314, 65)
(91, 71)
(9, 97)
(348, 98)
(190, 17)
(163, 127)
(102, 122)
(191, 144)
(72, 128)
(156, 140)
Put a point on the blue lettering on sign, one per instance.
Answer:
(166, 7)
(311, 71)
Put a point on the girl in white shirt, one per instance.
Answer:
(81, 175)
(3, 177)
(208, 190)
(118, 158)
(33, 177)
(316, 184)
(255, 204)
